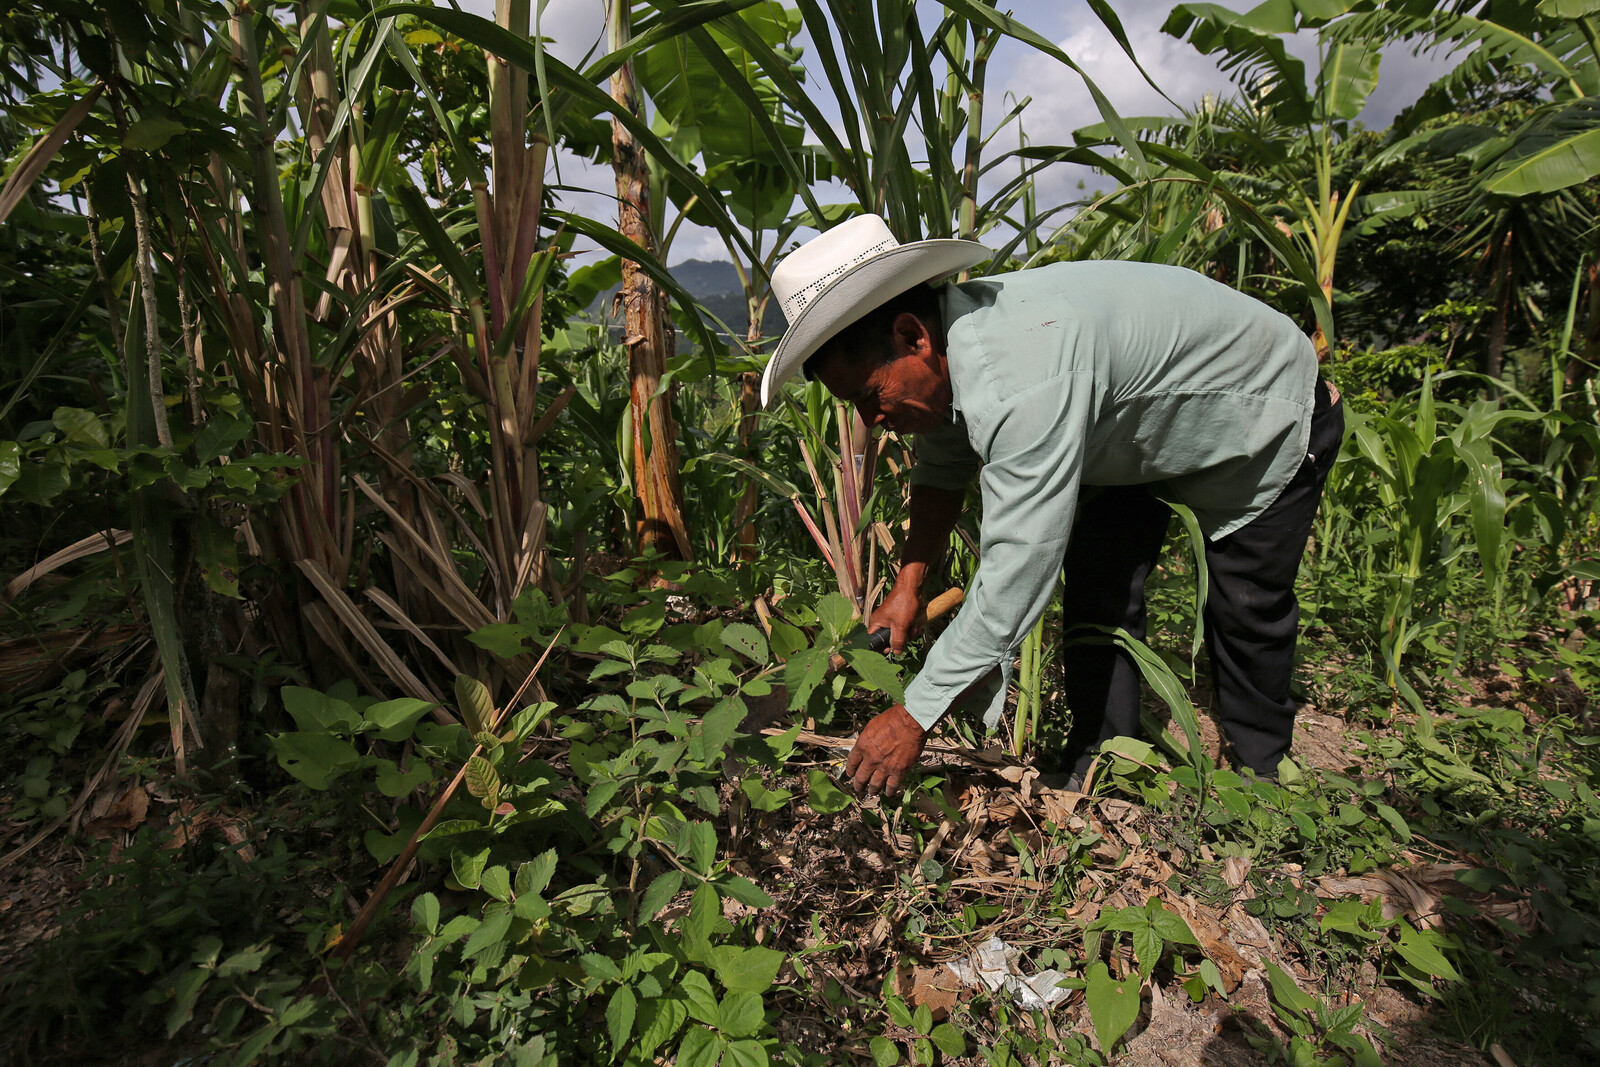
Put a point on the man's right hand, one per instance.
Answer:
(898, 612)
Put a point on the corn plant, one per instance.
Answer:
(1441, 487)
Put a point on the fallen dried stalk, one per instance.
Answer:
(347, 941)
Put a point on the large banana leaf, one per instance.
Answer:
(1252, 52)
(1554, 150)
(1349, 74)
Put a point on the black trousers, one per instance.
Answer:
(1251, 614)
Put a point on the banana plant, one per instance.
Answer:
(1251, 48)
(1521, 177)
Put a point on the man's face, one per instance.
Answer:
(910, 394)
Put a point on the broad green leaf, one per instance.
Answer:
(1113, 1005)
(763, 798)
(1420, 948)
(314, 711)
(534, 876)
(700, 1048)
(885, 1053)
(662, 889)
(698, 997)
(645, 620)
(599, 795)
(705, 911)
(719, 726)
(425, 913)
(219, 434)
(507, 640)
(743, 890)
(746, 1053)
(703, 846)
(475, 704)
(838, 617)
(10, 464)
(243, 962)
(483, 781)
(660, 1019)
(949, 1040)
(492, 931)
(315, 758)
(152, 132)
(602, 968)
(1169, 924)
(393, 782)
(620, 1015)
(1348, 76)
(803, 673)
(468, 866)
(746, 970)
(877, 672)
(1286, 992)
(394, 719)
(1551, 153)
(496, 881)
(746, 640)
(1395, 820)
(741, 1014)
(1569, 9)
(1147, 945)
(824, 797)
(1131, 748)
(81, 427)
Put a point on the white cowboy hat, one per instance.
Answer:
(832, 280)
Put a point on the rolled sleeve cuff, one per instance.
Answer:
(927, 698)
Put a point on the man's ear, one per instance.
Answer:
(911, 337)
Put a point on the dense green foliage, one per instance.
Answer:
(321, 500)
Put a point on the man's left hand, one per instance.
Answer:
(890, 746)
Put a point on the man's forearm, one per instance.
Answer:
(933, 515)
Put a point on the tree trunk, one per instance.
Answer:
(648, 330)
(1494, 355)
(1582, 363)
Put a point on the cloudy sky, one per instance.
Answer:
(1060, 101)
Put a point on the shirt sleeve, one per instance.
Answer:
(1030, 486)
(945, 459)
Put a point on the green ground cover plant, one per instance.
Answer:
(350, 716)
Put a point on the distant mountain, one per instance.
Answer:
(716, 285)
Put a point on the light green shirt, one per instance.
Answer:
(1098, 373)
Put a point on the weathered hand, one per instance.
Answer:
(898, 612)
(890, 746)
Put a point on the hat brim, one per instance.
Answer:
(858, 291)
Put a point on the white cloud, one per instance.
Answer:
(572, 26)
(1062, 103)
